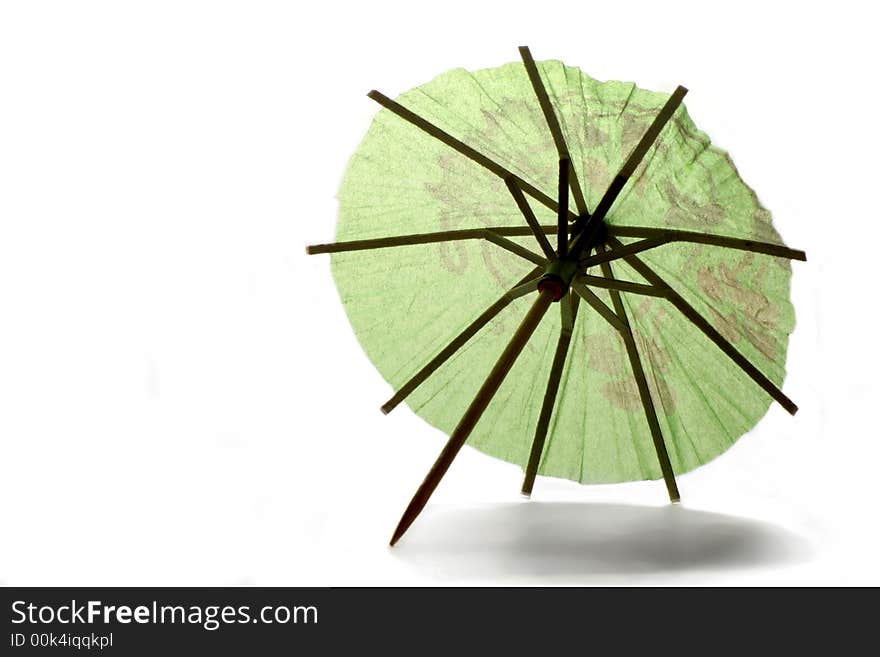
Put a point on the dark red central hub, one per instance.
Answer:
(557, 277)
(555, 287)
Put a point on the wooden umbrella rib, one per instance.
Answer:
(629, 167)
(527, 213)
(562, 215)
(553, 125)
(653, 131)
(598, 305)
(419, 238)
(568, 309)
(644, 391)
(627, 249)
(514, 248)
(496, 236)
(396, 240)
(622, 286)
(544, 101)
(461, 147)
(526, 284)
(622, 326)
(710, 332)
(671, 235)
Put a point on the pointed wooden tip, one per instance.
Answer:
(413, 509)
(402, 526)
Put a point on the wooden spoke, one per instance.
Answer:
(644, 392)
(555, 129)
(568, 308)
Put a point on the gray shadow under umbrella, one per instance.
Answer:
(563, 539)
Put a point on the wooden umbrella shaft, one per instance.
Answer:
(475, 411)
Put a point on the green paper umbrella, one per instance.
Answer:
(478, 200)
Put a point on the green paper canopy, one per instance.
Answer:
(407, 302)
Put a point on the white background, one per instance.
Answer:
(182, 400)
